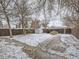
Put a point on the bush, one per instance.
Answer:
(54, 32)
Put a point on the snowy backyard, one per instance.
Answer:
(39, 29)
(60, 46)
(63, 45)
(33, 39)
(11, 50)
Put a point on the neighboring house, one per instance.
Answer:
(5, 26)
(19, 25)
(35, 24)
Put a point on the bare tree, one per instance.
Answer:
(47, 7)
(5, 4)
(71, 6)
(22, 12)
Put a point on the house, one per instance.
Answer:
(35, 24)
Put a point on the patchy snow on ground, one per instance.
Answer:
(65, 45)
(73, 52)
(33, 39)
(10, 51)
(68, 39)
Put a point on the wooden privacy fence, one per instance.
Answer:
(5, 32)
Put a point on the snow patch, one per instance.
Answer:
(33, 39)
(9, 51)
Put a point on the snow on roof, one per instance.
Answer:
(55, 23)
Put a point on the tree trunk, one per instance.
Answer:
(23, 26)
(24, 30)
(45, 24)
(8, 20)
(10, 31)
